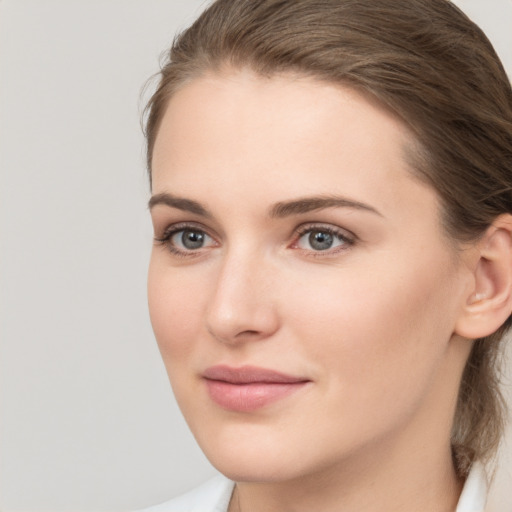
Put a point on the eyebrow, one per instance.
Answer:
(310, 204)
(187, 205)
(279, 210)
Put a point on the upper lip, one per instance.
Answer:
(249, 375)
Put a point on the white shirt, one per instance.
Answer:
(214, 495)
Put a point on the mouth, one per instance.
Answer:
(249, 388)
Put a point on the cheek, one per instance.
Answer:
(175, 308)
(381, 329)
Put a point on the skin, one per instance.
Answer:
(371, 322)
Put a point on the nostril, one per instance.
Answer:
(234, 337)
(248, 333)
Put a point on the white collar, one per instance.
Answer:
(474, 493)
(214, 495)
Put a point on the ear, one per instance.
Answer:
(489, 302)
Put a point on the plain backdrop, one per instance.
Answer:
(88, 420)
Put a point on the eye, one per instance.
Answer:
(186, 240)
(190, 239)
(323, 238)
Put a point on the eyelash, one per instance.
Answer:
(165, 239)
(348, 239)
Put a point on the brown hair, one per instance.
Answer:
(427, 62)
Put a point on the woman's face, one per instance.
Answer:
(302, 292)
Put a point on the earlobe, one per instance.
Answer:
(489, 303)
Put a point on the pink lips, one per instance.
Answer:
(248, 388)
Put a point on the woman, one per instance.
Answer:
(331, 276)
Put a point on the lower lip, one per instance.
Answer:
(249, 397)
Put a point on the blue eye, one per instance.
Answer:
(183, 240)
(190, 239)
(322, 239)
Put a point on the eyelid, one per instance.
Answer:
(337, 230)
(345, 235)
(180, 226)
(172, 229)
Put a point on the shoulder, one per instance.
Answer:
(212, 496)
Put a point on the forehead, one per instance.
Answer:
(243, 96)
(295, 134)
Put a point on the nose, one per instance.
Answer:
(243, 306)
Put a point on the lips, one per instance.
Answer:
(249, 388)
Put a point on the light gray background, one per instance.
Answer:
(88, 420)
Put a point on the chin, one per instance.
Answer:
(257, 467)
(246, 455)
(266, 454)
